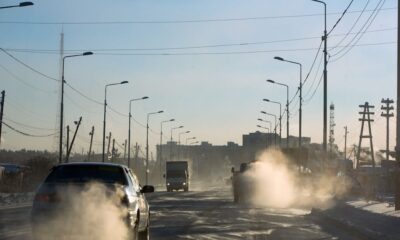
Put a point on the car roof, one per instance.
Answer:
(91, 164)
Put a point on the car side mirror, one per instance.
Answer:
(147, 189)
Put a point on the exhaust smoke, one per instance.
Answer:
(93, 211)
(272, 181)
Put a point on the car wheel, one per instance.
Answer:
(145, 235)
(134, 233)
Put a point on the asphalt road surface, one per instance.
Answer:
(209, 214)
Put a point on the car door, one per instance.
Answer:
(143, 205)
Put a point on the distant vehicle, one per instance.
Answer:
(49, 202)
(240, 186)
(177, 176)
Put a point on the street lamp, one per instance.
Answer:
(62, 99)
(179, 136)
(147, 144)
(280, 118)
(273, 115)
(300, 89)
(161, 135)
(190, 138)
(193, 143)
(21, 4)
(287, 108)
(266, 139)
(325, 39)
(129, 128)
(104, 120)
(170, 148)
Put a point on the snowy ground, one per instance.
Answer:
(15, 199)
(370, 219)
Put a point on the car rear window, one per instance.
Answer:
(87, 173)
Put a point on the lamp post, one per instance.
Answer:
(147, 144)
(193, 143)
(170, 148)
(270, 126)
(259, 126)
(273, 115)
(104, 120)
(280, 118)
(62, 99)
(129, 128)
(179, 142)
(300, 95)
(325, 39)
(21, 4)
(190, 138)
(161, 135)
(179, 136)
(287, 108)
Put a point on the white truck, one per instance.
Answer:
(177, 176)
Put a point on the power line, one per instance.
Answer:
(54, 51)
(352, 27)
(29, 126)
(341, 17)
(315, 90)
(315, 77)
(179, 21)
(27, 134)
(23, 81)
(27, 66)
(364, 28)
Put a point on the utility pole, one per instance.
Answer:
(108, 147)
(125, 149)
(345, 142)
(3, 95)
(67, 147)
(366, 117)
(331, 127)
(113, 150)
(136, 157)
(91, 142)
(397, 171)
(387, 107)
(73, 138)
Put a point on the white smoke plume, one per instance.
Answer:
(272, 181)
(94, 212)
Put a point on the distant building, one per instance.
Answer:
(214, 162)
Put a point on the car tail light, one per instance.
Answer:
(43, 197)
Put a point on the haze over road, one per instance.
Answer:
(207, 214)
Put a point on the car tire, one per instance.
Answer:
(145, 235)
(134, 233)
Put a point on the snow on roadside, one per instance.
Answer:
(15, 199)
(384, 208)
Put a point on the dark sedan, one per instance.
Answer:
(91, 201)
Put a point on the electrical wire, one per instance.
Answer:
(179, 21)
(353, 26)
(341, 17)
(364, 28)
(24, 82)
(27, 134)
(28, 126)
(54, 51)
(27, 66)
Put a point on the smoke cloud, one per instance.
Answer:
(272, 181)
(92, 212)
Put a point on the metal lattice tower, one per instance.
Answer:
(331, 126)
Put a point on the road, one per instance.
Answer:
(204, 215)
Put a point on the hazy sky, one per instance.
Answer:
(215, 96)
